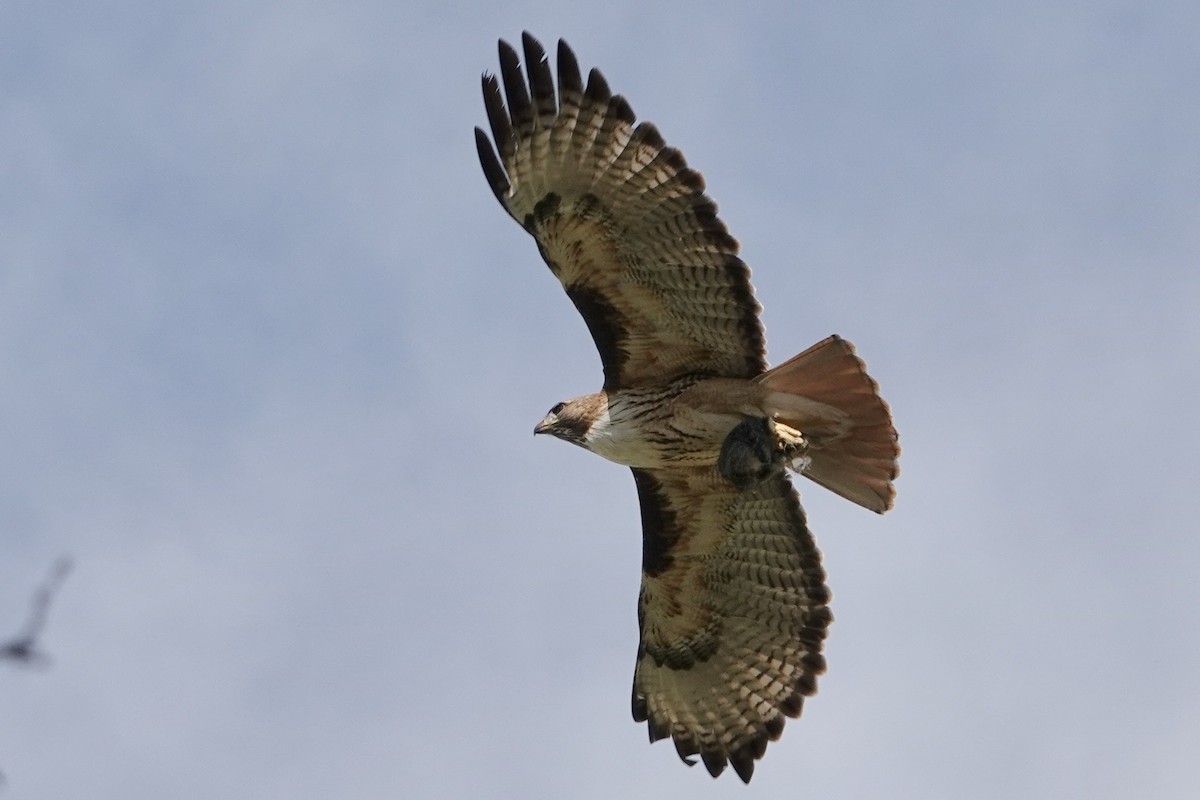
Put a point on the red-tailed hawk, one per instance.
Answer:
(733, 607)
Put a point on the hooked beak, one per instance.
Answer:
(545, 425)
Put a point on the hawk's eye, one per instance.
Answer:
(558, 407)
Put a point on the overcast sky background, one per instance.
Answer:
(271, 355)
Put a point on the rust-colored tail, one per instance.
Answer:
(826, 394)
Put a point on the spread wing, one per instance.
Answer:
(623, 223)
(733, 612)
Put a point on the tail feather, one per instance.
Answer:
(826, 394)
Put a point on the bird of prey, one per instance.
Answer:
(733, 608)
(23, 648)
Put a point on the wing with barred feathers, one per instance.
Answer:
(622, 221)
(733, 613)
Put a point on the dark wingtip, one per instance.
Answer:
(648, 134)
(597, 87)
(569, 78)
(685, 750)
(492, 169)
(515, 90)
(714, 762)
(640, 711)
(509, 59)
(541, 80)
(743, 764)
(793, 705)
(774, 727)
(493, 103)
(534, 52)
(621, 108)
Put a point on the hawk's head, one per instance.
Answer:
(571, 421)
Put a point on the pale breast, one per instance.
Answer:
(651, 428)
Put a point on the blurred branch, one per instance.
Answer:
(22, 648)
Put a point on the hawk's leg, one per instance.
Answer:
(749, 453)
(758, 446)
(793, 446)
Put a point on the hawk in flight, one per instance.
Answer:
(733, 607)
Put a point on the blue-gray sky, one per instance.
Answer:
(271, 355)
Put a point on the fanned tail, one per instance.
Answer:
(826, 394)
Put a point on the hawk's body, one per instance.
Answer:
(733, 607)
(664, 426)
